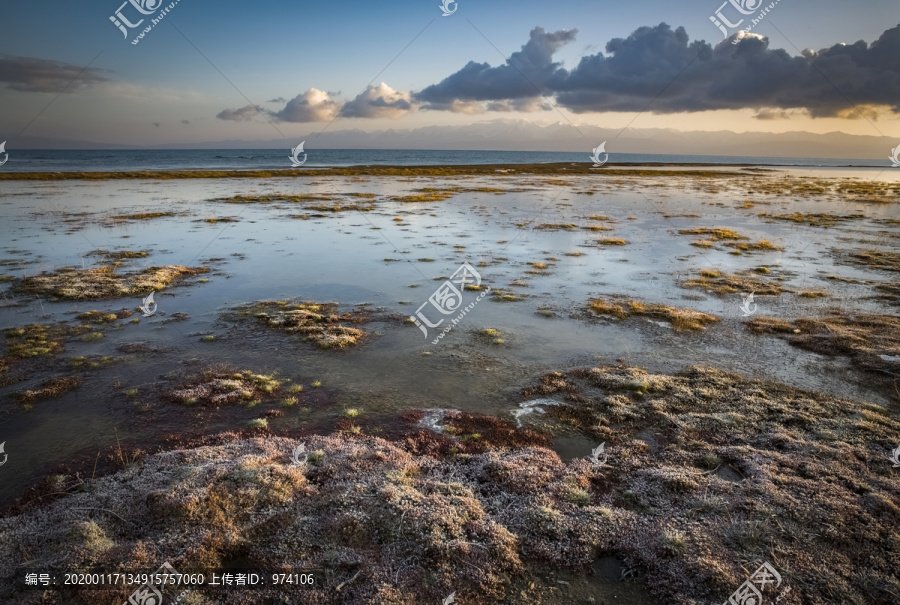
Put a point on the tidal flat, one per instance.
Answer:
(615, 309)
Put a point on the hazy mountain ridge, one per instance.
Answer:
(520, 135)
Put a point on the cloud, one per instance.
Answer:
(662, 69)
(524, 75)
(137, 92)
(767, 113)
(526, 105)
(28, 74)
(157, 124)
(314, 105)
(380, 101)
(243, 114)
(185, 121)
(278, 100)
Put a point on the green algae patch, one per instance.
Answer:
(318, 323)
(501, 295)
(557, 227)
(120, 254)
(718, 282)
(275, 197)
(53, 388)
(611, 241)
(426, 194)
(759, 246)
(338, 207)
(69, 283)
(141, 216)
(104, 317)
(224, 386)
(680, 319)
(713, 233)
(813, 219)
(38, 340)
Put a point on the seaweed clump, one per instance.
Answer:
(50, 389)
(680, 319)
(319, 323)
(717, 282)
(872, 341)
(223, 386)
(69, 283)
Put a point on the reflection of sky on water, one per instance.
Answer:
(340, 258)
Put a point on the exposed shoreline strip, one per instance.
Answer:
(561, 168)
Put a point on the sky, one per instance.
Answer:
(274, 69)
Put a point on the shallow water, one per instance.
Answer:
(341, 257)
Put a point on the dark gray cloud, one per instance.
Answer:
(242, 114)
(278, 100)
(661, 67)
(523, 75)
(27, 74)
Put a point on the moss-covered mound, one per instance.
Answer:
(717, 282)
(70, 283)
(707, 474)
(317, 322)
(872, 341)
(721, 471)
(221, 386)
(680, 319)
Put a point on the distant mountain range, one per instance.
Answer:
(521, 135)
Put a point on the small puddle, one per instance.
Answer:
(569, 447)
